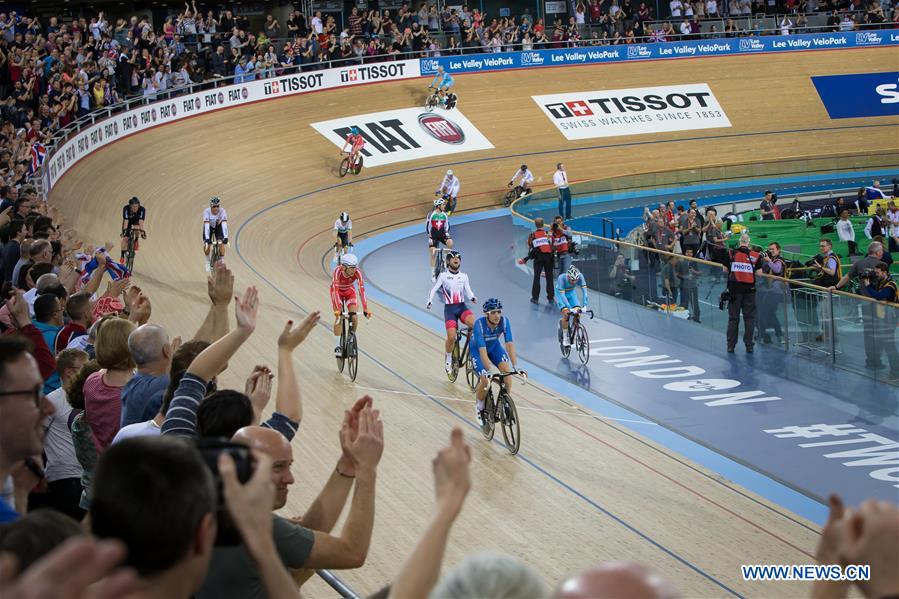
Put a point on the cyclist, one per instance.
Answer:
(343, 226)
(356, 142)
(441, 83)
(449, 191)
(343, 291)
(455, 287)
(524, 178)
(215, 221)
(437, 228)
(566, 297)
(488, 351)
(133, 216)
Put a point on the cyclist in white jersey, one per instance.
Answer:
(449, 191)
(524, 177)
(215, 221)
(343, 228)
(455, 290)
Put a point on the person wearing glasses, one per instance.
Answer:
(488, 351)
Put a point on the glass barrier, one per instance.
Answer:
(679, 298)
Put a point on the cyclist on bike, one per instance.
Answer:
(449, 191)
(524, 178)
(343, 226)
(215, 222)
(566, 297)
(441, 84)
(487, 350)
(133, 216)
(437, 228)
(343, 291)
(456, 289)
(355, 142)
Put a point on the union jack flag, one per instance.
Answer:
(38, 153)
(115, 270)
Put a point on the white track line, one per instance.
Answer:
(540, 410)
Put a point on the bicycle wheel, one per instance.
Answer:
(341, 359)
(358, 168)
(129, 259)
(470, 375)
(214, 255)
(453, 374)
(582, 343)
(438, 263)
(344, 166)
(510, 197)
(352, 356)
(431, 102)
(489, 425)
(565, 349)
(509, 420)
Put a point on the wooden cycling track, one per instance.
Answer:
(583, 489)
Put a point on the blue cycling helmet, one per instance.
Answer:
(492, 304)
(354, 130)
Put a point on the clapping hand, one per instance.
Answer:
(259, 387)
(451, 477)
(245, 310)
(220, 285)
(18, 309)
(366, 449)
(291, 337)
(348, 433)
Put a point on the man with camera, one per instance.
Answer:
(874, 257)
(882, 334)
(740, 294)
(772, 292)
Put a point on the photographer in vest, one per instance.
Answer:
(541, 252)
(740, 267)
(771, 292)
(877, 284)
(560, 235)
(826, 271)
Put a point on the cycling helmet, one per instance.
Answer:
(214, 201)
(449, 173)
(344, 217)
(349, 260)
(439, 202)
(453, 254)
(524, 167)
(492, 304)
(573, 273)
(134, 201)
(354, 130)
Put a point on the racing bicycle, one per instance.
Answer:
(434, 99)
(345, 166)
(502, 409)
(215, 251)
(349, 355)
(439, 264)
(132, 246)
(513, 194)
(462, 355)
(577, 335)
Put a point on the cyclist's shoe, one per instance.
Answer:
(338, 352)
(448, 364)
(481, 416)
(565, 340)
(208, 267)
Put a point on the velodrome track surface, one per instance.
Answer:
(583, 489)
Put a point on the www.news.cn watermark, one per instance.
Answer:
(808, 572)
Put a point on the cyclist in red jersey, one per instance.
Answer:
(343, 291)
(355, 142)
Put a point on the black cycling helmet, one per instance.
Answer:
(524, 167)
(453, 254)
(134, 201)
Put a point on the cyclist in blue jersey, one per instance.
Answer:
(441, 84)
(566, 297)
(488, 350)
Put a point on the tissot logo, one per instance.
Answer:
(348, 75)
(395, 70)
(441, 128)
(293, 83)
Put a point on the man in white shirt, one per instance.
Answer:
(677, 8)
(846, 232)
(560, 180)
(685, 28)
(317, 26)
(449, 191)
(892, 224)
(522, 180)
(63, 469)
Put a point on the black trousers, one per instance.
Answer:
(543, 263)
(63, 495)
(689, 299)
(741, 303)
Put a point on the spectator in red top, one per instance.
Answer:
(103, 389)
(78, 309)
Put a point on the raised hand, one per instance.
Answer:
(368, 445)
(220, 285)
(18, 309)
(291, 337)
(245, 309)
(348, 433)
(451, 477)
(259, 387)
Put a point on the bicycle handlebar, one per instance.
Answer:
(496, 377)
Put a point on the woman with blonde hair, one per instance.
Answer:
(103, 389)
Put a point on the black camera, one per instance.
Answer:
(211, 448)
(813, 261)
(724, 299)
(868, 273)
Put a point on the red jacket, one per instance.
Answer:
(46, 361)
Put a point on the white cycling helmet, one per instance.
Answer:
(344, 217)
(449, 173)
(573, 273)
(439, 202)
(349, 260)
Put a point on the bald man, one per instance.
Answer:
(151, 350)
(305, 543)
(617, 580)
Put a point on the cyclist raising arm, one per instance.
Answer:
(437, 228)
(133, 216)
(489, 351)
(566, 297)
(455, 287)
(215, 222)
(449, 191)
(343, 291)
(524, 178)
(355, 142)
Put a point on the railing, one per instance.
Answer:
(844, 330)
